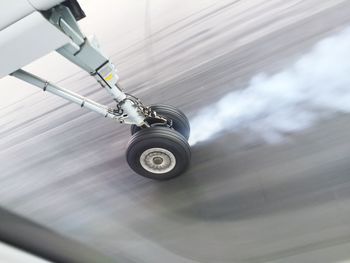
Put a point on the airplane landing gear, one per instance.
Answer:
(158, 148)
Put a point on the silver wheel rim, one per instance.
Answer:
(157, 160)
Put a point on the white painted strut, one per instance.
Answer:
(85, 53)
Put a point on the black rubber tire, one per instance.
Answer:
(158, 137)
(180, 122)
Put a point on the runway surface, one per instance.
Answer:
(239, 202)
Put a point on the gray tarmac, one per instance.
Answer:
(239, 202)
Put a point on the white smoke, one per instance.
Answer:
(315, 87)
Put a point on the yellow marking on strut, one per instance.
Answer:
(109, 77)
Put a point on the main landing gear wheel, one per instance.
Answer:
(177, 118)
(158, 153)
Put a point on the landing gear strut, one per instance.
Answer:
(158, 148)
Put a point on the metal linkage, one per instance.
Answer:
(86, 54)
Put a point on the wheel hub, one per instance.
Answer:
(157, 160)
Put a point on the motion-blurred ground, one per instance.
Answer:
(65, 168)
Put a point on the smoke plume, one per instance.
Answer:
(314, 88)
